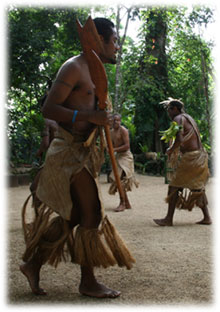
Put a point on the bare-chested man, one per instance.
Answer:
(191, 167)
(125, 162)
(68, 182)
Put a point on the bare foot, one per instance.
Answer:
(163, 222)
(127, 206)
(98, 290)
(33, 278)
(205, 221)
(121, 207)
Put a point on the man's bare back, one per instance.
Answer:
(187, 140)
(193, 143)
(185, 144)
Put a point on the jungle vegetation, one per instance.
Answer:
(170, 59)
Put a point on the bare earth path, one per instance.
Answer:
(174, 265)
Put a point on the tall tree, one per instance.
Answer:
(40, 39)
(190, 67)
(121, 40)
(171, 67)
(170, 60)
(154, 77)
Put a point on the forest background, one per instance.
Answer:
(168, 58)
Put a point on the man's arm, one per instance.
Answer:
(66, 79)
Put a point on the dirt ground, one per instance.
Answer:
(174, 265)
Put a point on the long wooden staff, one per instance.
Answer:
(92, 45)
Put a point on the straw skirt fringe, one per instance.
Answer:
(188, 199)
(189, 177)
(125, 167)
(46, 236)
(92, 248)
(53, 239)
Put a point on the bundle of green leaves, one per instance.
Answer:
(170, 134)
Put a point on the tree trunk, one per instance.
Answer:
(206, 92)
(154, 64)
(118, 78)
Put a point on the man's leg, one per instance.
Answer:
(90, 216)
(127, 203)
(123, 204)
(206, 217)
(168, 220)
(52, 234)
(31, 269)
(49, 249)
(204, 207)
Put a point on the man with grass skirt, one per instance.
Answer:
(69, 217)
(125, 163)
(190, 167)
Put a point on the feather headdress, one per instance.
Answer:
(167, 102)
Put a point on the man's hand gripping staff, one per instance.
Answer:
(90, 43)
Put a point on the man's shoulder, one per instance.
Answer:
(178, 118)
(124, 129)
(187, 115)
(190, 120)
(71, 68)
(72, 62)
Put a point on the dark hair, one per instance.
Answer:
(104, 27)
(179, 105)
(117, 114)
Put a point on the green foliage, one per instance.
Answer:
(24, 126)
(40, 40)
(171, 59)
(127, 113)
(204, 134)
(143, 148)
